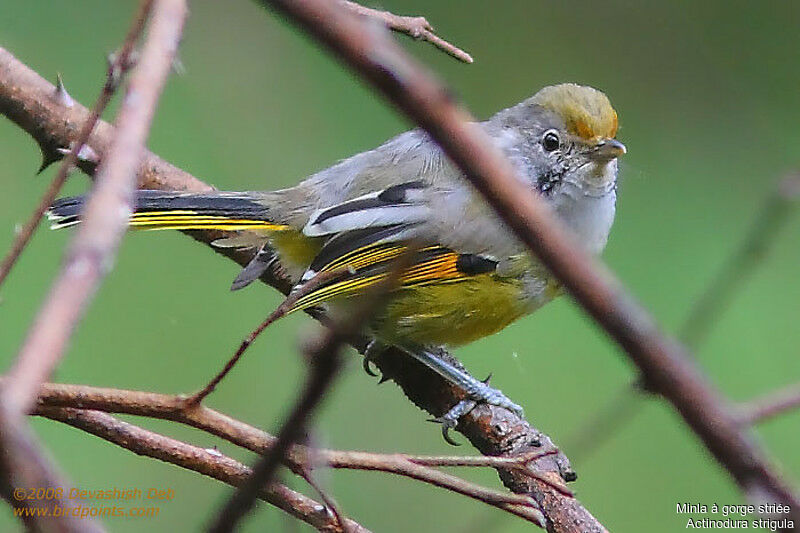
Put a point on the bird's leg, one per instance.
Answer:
(477, 391)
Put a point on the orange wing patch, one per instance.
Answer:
(372, 264)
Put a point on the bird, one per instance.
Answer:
(465, 275)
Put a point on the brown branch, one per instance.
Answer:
(712, 303)
(492, 430)
(743, 262)
(299, 458)
(105, 218)
(210, 463)
(117, 68)
(23, 464)
(770, 405)
(325, 363)
(664, 364)
(415, 27)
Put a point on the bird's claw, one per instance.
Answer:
(450, 419)
(366, 363)
(373, 350)
(485, 395)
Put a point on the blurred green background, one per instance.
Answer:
(707, 94)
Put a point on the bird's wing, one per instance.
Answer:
(365, 257)
(402, 205)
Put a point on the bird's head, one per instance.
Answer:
(571, 131)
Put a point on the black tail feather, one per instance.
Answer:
(178, 210)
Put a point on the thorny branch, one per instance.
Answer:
(93, 248)
(300, 458)
(21, 461)
(118, 66)
(325, 363)
(493, 431)
(737, 458)
(105, 219)
(664, 364)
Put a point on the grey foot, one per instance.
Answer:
(480, 393)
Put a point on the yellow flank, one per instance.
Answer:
(294, 248)
(451, 314)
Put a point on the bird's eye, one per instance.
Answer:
(550, 141)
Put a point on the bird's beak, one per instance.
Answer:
(607, 149)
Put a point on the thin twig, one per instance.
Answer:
(770, 405)
(492, 430)
(208, 462)
(299, 458)
(415, 27)
(703, 315)
(323, 369)
(280, 312)
(664, 364)
(741, 265)
(105, 218)
(327, 499)
(325, 362)
(26, 466)
(117, 68)
(22, 463)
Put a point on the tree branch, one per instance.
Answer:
(703, 314)
(300, 459)
(23, 463)
(664, 364)
(117, 67)
(492, 430)
(210, 463)
(415, 27)
(325, 363)
(770, 405)
(105, 218)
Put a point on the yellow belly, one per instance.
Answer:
(451, 314)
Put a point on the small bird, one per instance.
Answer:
(466, 275)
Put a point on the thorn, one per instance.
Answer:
(48, 158)
(488, 379)
(214, 451)
(86, 153)
(569, 475)
(60, 94)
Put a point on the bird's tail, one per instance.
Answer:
(154, 210)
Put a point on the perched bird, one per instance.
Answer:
(467, 276)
